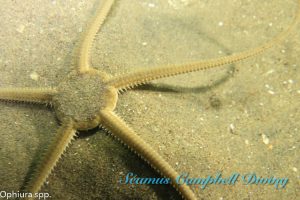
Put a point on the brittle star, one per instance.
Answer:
(87, 99)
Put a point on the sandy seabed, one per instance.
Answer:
(241, 119)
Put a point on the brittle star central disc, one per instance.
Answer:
(81, 97)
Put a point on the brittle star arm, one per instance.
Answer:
(65, 134)
(34, 95)
(85, 48)
(121, 131)
(123, 82)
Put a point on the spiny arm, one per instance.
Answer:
(144, 76)
(63, 138)
(84, 56)
(121, 131)
(34, 95)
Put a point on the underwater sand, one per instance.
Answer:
(242, 118)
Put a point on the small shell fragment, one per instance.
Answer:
(34, 76)
(20, 28)
(271, 92)
(231, 128)
(295, 169)
(265, 139)
(151, 5)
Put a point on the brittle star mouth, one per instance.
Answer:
(81, 97)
